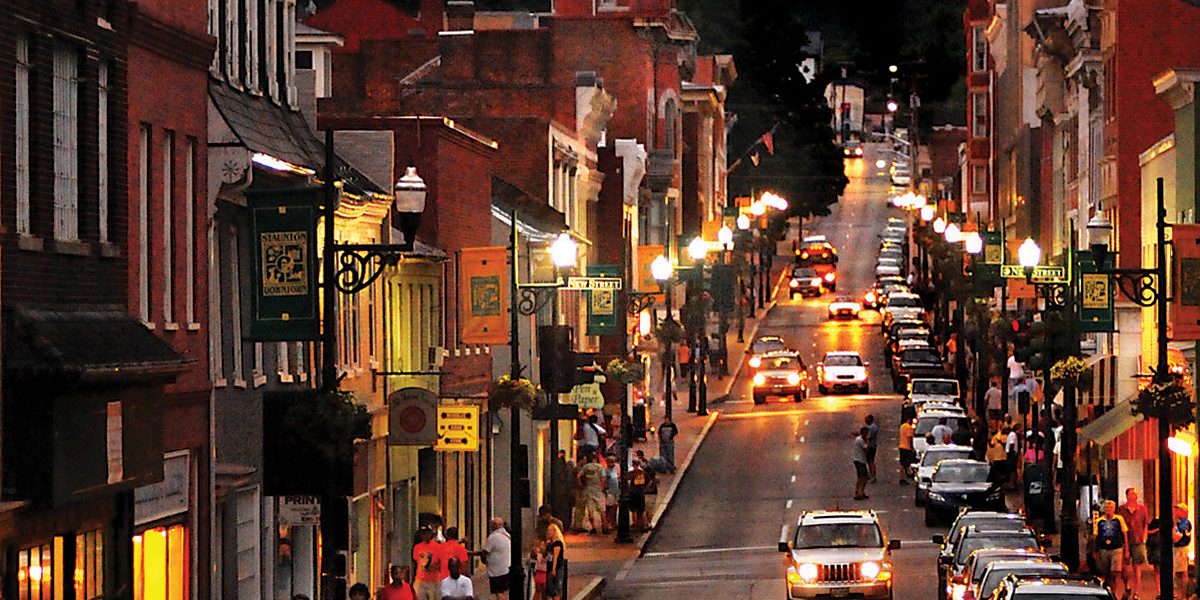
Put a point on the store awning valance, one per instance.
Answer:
(1108, 426)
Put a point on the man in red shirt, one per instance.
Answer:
(452, 548)
(428, 557)
(399, 588)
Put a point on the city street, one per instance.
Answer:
(762, 465)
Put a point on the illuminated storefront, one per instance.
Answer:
(162, 547)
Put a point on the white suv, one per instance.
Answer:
(838, 554)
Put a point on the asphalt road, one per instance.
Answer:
(762, 465)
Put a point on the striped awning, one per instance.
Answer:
(1108, 426)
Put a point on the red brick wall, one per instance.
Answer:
(1152, 36)
(360, 20)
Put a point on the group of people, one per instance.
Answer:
(1118, 543)
(866, 446)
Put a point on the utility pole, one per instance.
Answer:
(516, 499)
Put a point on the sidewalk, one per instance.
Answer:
(598, 559)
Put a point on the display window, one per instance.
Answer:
(160, 559)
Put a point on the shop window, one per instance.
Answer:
(38, 576)
(89, 565)
(160, 564)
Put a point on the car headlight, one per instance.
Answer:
(830, 276)
(958, 591)
(793, 379)
(936, 496)
(807, 572)
(869, 297)
(755, 362)
(816, 281)
(794, 283)
(759, 379)
(869, 570)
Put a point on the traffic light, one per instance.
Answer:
(586, 369)
(1022, 326)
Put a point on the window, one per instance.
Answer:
(216, 345)
(979, 49)
(232, 40)
(253, 50)
(351, 341)
(66, 143)
(89, 565)
(268, 77)
(36, 571)
(102, 151)
(248, 559)
(160, 564)
(189, 232)
(979, 179)
(282, 360)
(235, 304)
(304, 59)
(144, 223)
(979, 112)
(168, 230)
(24, 67)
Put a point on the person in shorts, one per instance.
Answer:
(872, 446)
(1137, 520)
(1181, 537)
(908, 455)
(1112, 546)
(859, 454)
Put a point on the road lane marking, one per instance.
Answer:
(801, 441)
(797, 457)
(788, 505)
(762, 414)
(793, 477)
(700, 551)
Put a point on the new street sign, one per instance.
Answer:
(594, 283)
(1040, 274)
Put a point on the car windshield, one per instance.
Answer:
(1080, 595)
(921, 356)
(843, 360)
(961, 473)
(992, 577)
(989, 522)
(975, 542)
(938, 388)
(780, 361)
(932, 457)
(843, 300)
(839, 535)
(763, 345)
(904, 302)
(926, 424)
(803, 273)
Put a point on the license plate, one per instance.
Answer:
(839, 592)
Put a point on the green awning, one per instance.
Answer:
(1111, 424)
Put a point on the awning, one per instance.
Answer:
(97, 343)
(1108, 426)
(1091, 361)
(536, 220)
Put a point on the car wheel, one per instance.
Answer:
(759, 399)
(917, 501)
(866, 389)
(930, 519)
(823, 390)
(797, 397)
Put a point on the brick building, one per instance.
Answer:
(85, 395)
(977, 189)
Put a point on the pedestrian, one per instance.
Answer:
(1181, 537)
(997, 459)
(941, 433)
(637, 483)
(456, 586)
(556, 550)
(1137, 520)
(399, 587)
(497, 556)
(612, 491)
(537, 556)
(428, 557)
(908, 454)
(859, 455)
(667, 432)
(872, 446)
(992, 398)
(359, 591)
(589, 444)
(1010, 449)
(563, 494)
(591, 496)
(546, 518)
(1112, 546)
(453, 548)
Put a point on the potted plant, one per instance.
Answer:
(507, 392)
(668, 332)
(1072, 371)
(625, 372)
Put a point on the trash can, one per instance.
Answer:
(639, 421)
(1039, 492)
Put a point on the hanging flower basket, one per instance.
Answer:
(507, 392)
(1072, 370)
(669, 332)
(625, 372)
(1166, 400)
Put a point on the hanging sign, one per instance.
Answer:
(1183, 322)
(483, 295)
(283, 228)
(1095, 294)
(457, 428)
(602, 301)
(645, 277)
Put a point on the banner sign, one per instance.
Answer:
(645, 278)
(283, 246)
(483, 295)
(1183, 322)
(1095, 294)
(602, 300)
(457, 428)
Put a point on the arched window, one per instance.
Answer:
(671, 114)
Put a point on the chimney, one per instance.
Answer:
(431, 17)
(460, 15)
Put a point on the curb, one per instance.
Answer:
(737, 370)
(591, 591)
(663, 505)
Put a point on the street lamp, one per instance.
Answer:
(1100, 231)
(698, 249)
(661, 270)
(743, 222)
(725, 237)
(927, 212)
(1029, 255)
(973, 242)
(892, 105)
(953, 234)
(939, 226)
(758, 209)
(410, 191)
(919, 202)
(564, 252)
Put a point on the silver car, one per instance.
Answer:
(838, 554)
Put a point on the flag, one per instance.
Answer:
(754, 158)
(483, 294)
(1183, 322)
(768, 140)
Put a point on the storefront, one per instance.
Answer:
(162, 540)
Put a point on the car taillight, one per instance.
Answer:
(804, 255)
(870, 297)
(858, 151)
(830, 276)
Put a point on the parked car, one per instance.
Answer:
(959, 483)
(933, 389)
(780, 374)
(926, 422)
(838, 554)
(928, 462)
(915, 362)
(975, 539)
(982, 583)
(1051, 588)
